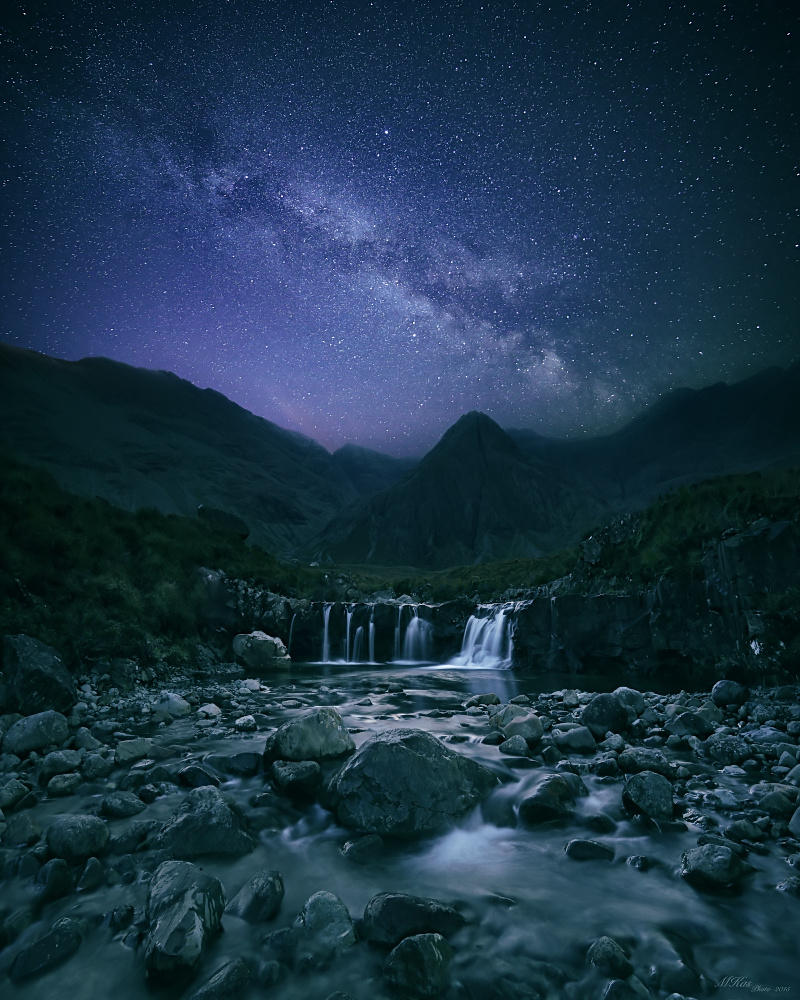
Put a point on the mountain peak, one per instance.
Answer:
(476, 431)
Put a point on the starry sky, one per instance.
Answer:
(361, 220)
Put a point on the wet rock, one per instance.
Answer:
(517, 720)
(794, 824)
(650, 794)
(725, 748)
(12, 792)
(633, 760)
(245, 763)
(588, 850)
(631, 699)
(318, 734)
(59, 762)
(728, 692)
(92, 876)
(405, 783)
(49, 951)
(605, 713)
(209, 711)
(83, 740)
(171, 706)
(63, 784)
(21, 830)
(76, 837)
(260, 651)
(129, 751)
(53, 880)
(490, 698)
(195, 776)
(419, 966)
(391, 916)
(246, 724)
(711, 866)
(515, 746)
(43, 729)
(259, 899)
(230, 980)
(95, 766)
(325, 927)
(553, 800)
(184, 912)
(690, 724)
(363, 850)
(35, 677)
(298, 779)
(120, 805)
(608, 957)
(576, 739)
(205, 824)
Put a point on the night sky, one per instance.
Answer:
(362, 220)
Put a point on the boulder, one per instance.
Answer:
(633, 760)
(725, 748)
(297, 779)
(77, 837)
(553, 800)
(48, 951)
(650, 794)
(588, 850)
(516, 720)
(712, 866)
(171, 706)
(605, 713)
(129, 751)
(60, 762)
(260, 651)
(229, 981)
(406, 783)
(43, 729)
(794, 824)
(205, 824)
(418, 968)
(259, 898)
(576, 739)
(120, 805)
(391, 916)
(318, 734)
(36, 678)
(690, 724)
(727, 692)
(325, 927)
(184, 912)
(608, 957)
(632, 700)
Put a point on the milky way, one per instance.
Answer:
(361, 221)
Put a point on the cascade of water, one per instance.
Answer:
(372, 635)
(358, 645)
(326, 641)
(397, 631)
(488, 641)
(347, 635)
(417, 641)
(291, 634)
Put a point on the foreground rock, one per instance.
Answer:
(76, 838)
(605, 713)
(35, 677)
(318, 734)
(43, 729)
(406, 783)
(419, 966)
(391, 916)
(184, 912)
(325, 929)
(206, 824)
(49, 951)
(712, 866)
(552, 801)
(650, 794)
(259, 898)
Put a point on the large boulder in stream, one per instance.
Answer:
(260, 651)
(318, 734)
(206, 823)
(406, 783)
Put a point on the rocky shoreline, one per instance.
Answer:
(142, 823)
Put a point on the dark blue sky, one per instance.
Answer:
(362, 220)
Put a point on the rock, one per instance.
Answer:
(246, 724)
(171, 706)
(120, 805)
(482, 699)
(516, 720)
(12, 792)
(631, 699)
(209, 711)
(230, 980)
(297, 778)
(633, 760)
(36, 678)
(419, 966)
(605, 713)
(36, 731)
(609, 958)
(794, 824)
(95, 766)
(60, 762)
(405, 783)
(551, 801)
(728, 693)
(391, 916)
(318, 734)
(259, 899)
(76, 837)
(326, 928)
(690, 724)
(55, 947)
(727, 749)
(205, 824)
(184, 912)
(711, 866)
(515, 746)
(53, 880)
(260, 651)
(195, 776)
(92, 876)
(129, 751)
(63, 784)
(576, 739)
(648, 793)
(363, 850)
(588, 850)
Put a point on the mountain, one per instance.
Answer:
(474, 496)
(142, 438)
(371, 471)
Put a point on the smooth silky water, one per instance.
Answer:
(523, 897)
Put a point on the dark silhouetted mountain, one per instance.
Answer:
(474, 496)
(371, 471)
(142, 438)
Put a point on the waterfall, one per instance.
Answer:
(397, 630)
(488, 641)
(417, 642)
(326, 641)
(372, 635)
(347, 635)
(358, 645)
(291, 634)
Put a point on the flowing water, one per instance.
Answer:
(525, 901)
